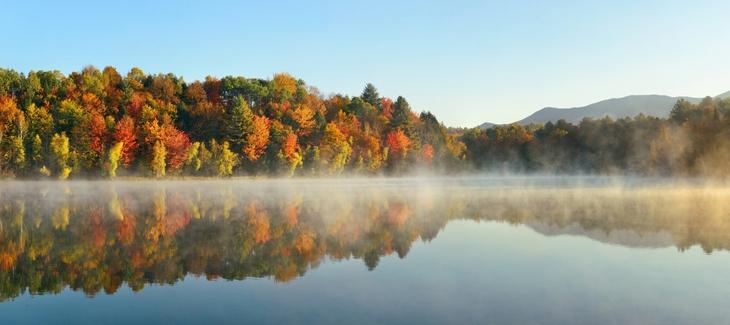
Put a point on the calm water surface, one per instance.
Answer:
(476, 250)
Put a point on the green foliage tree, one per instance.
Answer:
(402, 116)
(69, 115)
(40, 122)
(10, 83)
(239, 122)
(370, 95)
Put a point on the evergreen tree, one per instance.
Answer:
(239, 122)
(402, 116)
(370, 95)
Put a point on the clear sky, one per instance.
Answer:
(466, 61)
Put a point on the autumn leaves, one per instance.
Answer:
(96, 123)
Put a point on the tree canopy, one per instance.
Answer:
(53, 125)
(100, 123)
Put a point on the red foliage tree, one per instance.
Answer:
(398, 142)
(97, 134)
(134, 106)
(177, 143)
(125, 132)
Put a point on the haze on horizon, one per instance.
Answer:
(468, 62)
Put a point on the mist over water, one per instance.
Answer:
(105, 239)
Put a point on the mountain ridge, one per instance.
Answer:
(627, 106)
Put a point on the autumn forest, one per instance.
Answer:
(100, 123)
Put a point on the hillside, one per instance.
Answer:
(653, 105)
(629, 106)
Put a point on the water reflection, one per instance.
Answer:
(96, 236)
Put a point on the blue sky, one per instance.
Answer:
(466, 61)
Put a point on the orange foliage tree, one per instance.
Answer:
(258, 139)
(398, 143)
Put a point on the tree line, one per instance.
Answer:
(693, 141)
(98, 123)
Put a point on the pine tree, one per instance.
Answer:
(401, 116)
(370, 95)
(239, 122)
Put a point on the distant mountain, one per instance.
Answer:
(724, 95)
(630, 106)
(487, 125)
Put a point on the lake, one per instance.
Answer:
(501, 250)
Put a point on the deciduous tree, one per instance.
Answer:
(258, 139)
(115, 154)
(157, 164)
(61, 155)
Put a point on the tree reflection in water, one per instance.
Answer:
(96, 236)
